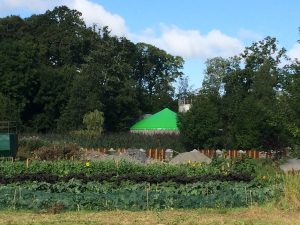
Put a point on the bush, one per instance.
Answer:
(58, 152)
(295, 151)
(29, 144)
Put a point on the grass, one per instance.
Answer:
(290, 198)
(252, 215)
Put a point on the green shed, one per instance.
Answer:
(8, 139)
(164, 121)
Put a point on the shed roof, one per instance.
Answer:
(165, 119)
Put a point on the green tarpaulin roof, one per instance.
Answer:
(163, 120)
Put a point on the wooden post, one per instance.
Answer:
(161, 155)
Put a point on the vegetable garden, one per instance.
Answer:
(108, 185)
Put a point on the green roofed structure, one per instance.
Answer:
(165, 121)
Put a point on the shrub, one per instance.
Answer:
(58, 152)
(29, 144)
(295, 151)
(94, 121)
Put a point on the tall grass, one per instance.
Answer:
(117, 140)
(290, 197)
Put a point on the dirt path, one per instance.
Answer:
(291, 164)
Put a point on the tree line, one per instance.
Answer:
(251, 100)
(54, 69)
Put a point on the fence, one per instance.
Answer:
(158, 154)
(238, 153)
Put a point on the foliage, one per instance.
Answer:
(54, 69)
(94, 121)
(295, 151)
(92, 196)
(8, 109)
(29, 144)
(199, 125)
(115, 140)
(242, 101)
(94, 125)
(64, 167)
(224, 166)
(130, 177)
(109, 185)
(58, 152)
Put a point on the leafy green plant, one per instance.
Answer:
(244, 164)
(76, 195)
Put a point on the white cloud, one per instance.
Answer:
(95, 13)
(191, 43)
(92, 13)
(246, 34)
(294, 52)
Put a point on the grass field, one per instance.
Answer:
(253, 215)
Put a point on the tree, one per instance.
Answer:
(155, 71)
(291, 102)
(8, 109)
(240, 98)
(38, 57)
(256, 87)
(55, 69)
(184, 90)
(94, 121)
(200, 125)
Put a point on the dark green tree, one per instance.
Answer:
(248, 90)
(200, 126)
(155, 73)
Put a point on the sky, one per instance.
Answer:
(195, 30)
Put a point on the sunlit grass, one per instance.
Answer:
(252, 215)
(290, 198)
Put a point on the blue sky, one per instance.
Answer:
(195, 30)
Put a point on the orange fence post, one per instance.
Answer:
(156, 154)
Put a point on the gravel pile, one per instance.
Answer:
(192, 156)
